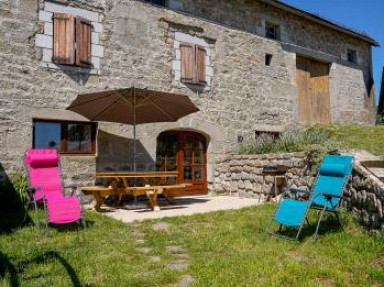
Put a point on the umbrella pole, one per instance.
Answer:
(134, 131)
(134, 143)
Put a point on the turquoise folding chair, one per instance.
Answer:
(326, 195)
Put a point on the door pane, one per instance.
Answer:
(79, 138)
(198, 172)
(166, 153)
(47, 136)
(193, 158)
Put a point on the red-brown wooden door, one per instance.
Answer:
(184, 152)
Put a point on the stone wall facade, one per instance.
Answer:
(240, 175)
(365, 198)
(139, 49)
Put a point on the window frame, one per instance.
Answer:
(64, 135)
(353, 53)
(276, 27)
(268, 59)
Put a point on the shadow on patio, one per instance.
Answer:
(182, 206)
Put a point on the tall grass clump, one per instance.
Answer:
(314, 139)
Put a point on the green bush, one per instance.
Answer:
(311, 139)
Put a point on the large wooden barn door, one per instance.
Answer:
(313, 88)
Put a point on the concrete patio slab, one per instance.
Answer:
(183, 206)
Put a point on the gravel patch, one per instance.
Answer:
(155, 258)
(175, 249)
(145, 250)
(178, 266)
(161, 226)
(186, 280)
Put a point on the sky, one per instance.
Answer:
(361, 15)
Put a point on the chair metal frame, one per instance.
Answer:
(311, 205)
(31, 190)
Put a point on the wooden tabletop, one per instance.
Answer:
(138, 174)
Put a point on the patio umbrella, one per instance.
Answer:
(133, 106)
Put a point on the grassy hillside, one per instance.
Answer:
(357, 137)
(322, 138)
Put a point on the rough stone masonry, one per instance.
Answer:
(135, 44)
(239, 175)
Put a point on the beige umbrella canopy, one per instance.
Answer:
(133, 106)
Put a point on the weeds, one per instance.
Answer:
(311, 139)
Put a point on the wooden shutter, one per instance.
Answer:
(188, 64)
(83, 42)
(63, 39)
(200, 66)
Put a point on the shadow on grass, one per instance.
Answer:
(72, 227)
(12, 213)
(328, 225)
(51, 256)
(7, 267)
(11, 220)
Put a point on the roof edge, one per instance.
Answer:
(322, 21)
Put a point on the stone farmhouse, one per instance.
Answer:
(250, 66)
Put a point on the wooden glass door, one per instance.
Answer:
(184, 152)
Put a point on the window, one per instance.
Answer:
(71, 40)
(65, 137)
(193, 64)
(267, 136)
(268, 59)
(352, 56)
(156, 2)
(272, 31)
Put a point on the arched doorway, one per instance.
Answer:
(185, 152)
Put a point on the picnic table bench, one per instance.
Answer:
(101, 193)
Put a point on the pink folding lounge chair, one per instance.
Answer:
(46, 188)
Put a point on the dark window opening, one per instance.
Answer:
(272, 31)
(352, 56)
(263, 135)
(156, 2)
(268, 59)
(65, 137)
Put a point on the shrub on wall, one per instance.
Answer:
(312, 139)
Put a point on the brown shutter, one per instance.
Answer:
(63, 39)
(200, 66)
(83, 42)
(188, 66)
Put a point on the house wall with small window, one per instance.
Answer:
(350, 60)
(240, 78)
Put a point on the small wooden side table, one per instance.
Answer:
(279, 176)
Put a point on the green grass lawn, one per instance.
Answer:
(228, 248)
(370, 138)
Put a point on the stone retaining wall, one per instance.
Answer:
(240, 174)
(365, 198)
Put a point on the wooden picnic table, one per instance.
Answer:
(159, 178)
